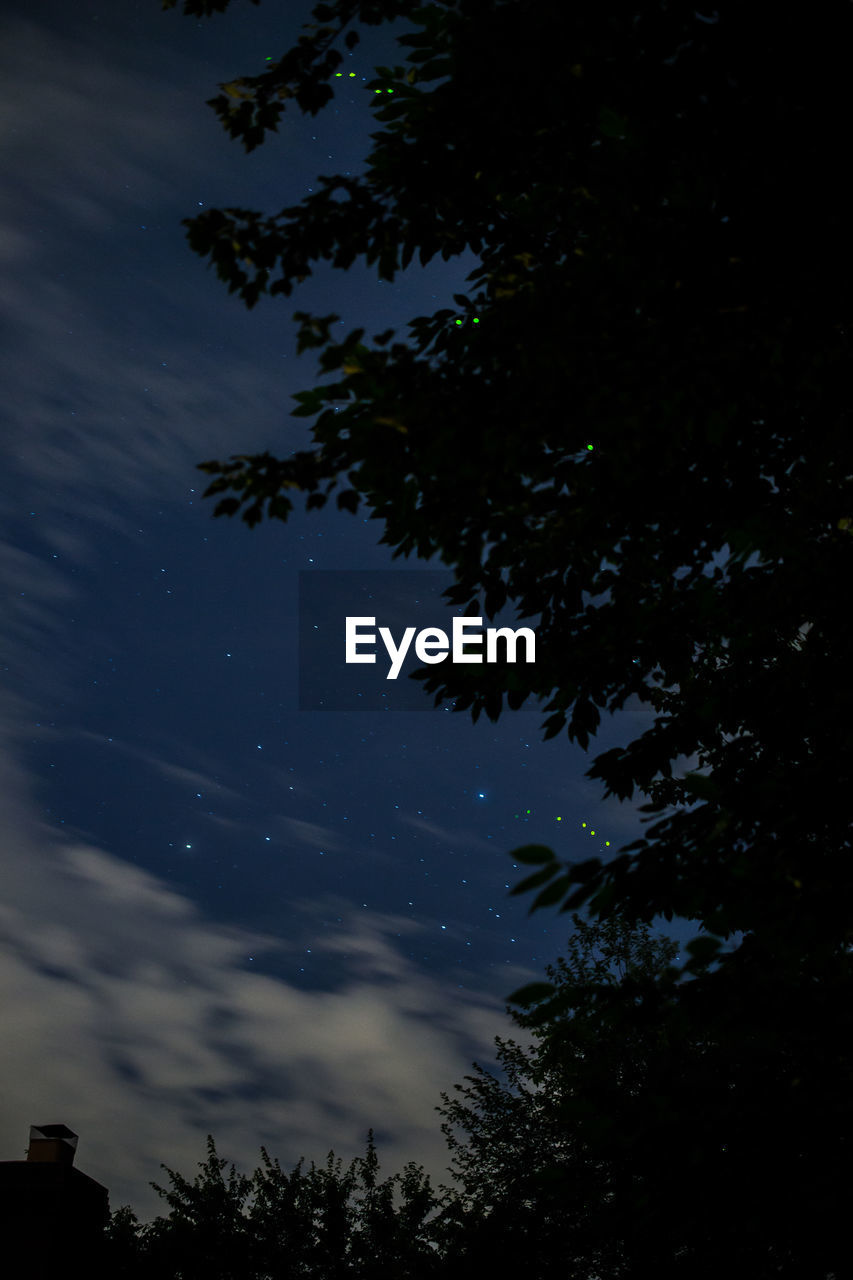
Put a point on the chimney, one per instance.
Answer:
(52, 1216)
(52, 1142)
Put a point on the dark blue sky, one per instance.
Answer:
(219, 913)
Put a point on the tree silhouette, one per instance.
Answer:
(634, 428)
(657, 1125)
(645, 1131)
(326, 1223)
(533, 1151)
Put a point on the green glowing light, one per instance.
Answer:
(339, 75)
(590, 447)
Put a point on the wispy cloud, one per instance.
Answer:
(143, 1025)
(117, 377)
(447, 836)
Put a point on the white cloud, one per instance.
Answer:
(127, 1014)
(141, 1024)
(118, 374)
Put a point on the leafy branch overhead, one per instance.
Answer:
(633, 427)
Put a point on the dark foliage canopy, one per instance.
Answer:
(327, 1223)
(634, 428)
(622, 1139)
(646, 1131)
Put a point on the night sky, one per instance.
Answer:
(219, 913)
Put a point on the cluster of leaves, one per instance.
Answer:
(645, 445)
(325, 1223)
(657, 1126)
(251, 106)
(640, 1129)
(631, 213)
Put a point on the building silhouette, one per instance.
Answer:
(52, 1216)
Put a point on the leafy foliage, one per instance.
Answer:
(649, 1126)
(533, 1151)
(634, 427)
(656, 456)
(326, 1222)
(655, 1126)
